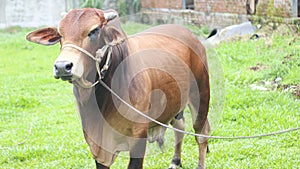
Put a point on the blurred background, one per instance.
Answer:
(215, 14)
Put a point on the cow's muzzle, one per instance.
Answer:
(63, 70)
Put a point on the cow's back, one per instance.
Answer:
(179, 36)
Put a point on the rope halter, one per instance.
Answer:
(98, 58)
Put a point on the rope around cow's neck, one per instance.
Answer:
(190, 133)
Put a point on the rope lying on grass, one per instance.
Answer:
(190, 133)
(27, 137)
(22, 142)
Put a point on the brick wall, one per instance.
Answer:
(214, 13)
(170, 4)
(221, 6)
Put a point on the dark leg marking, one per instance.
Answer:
(100, 166)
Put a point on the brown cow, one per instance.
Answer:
(158, 72)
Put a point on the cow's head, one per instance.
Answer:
(82, 28)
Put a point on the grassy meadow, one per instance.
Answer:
(40, 128)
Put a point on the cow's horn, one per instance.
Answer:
(110, 15)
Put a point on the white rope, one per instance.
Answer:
(99, 55)
(82, 50)
(86, 86)
(190, 133)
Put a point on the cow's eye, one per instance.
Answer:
(94, 32)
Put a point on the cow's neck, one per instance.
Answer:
(98, 97)
(119, 53)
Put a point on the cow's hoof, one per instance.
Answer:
(200, 167)
(174, 166)
(176, 163)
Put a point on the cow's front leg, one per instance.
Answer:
(138, 146)
(136, 163)
(100, 166)
(137, 153)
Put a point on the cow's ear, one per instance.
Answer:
(44, 36)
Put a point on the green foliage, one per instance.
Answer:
(127, 7)
(132, 27)
(267, 9)
(122, 8)
(205, 29)
(91, 4)
(270, 11)
(39, 126)
(137, 5)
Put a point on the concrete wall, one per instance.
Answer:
(31, 13)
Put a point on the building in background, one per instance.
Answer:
(214, 13)
(225, 6)
(33, 13)
(37, 13)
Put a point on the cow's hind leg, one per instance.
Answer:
(177, 122)
(203, 145)
(199, 108)
(201, 126)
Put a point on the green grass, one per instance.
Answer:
(39, 126)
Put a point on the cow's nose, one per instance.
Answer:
(63, 69)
